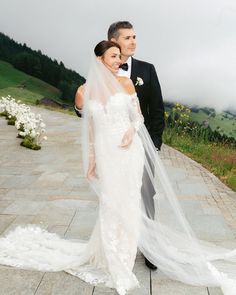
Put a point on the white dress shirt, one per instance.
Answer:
(127, 73)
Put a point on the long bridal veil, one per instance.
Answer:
(167, 240)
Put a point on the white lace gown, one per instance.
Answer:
(109, 256)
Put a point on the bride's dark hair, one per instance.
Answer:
(103, 46)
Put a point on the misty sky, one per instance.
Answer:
(191, 43)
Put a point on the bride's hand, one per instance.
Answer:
(127, 138)
(91, 173)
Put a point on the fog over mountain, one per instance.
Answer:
(191, 43)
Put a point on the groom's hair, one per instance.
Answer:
(113, 31)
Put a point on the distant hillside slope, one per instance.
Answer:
(224, 122)
(24, 87)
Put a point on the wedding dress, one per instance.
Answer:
(123, 222)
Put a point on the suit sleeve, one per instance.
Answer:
(156, 109)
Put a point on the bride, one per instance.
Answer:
(117, 152)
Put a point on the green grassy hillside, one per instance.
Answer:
(24, 87)
(224, 122)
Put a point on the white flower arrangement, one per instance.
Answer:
(139, 81)
(30, 126)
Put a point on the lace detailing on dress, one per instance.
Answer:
(135, 112)
(34, 248)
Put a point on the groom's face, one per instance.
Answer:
(127, 41)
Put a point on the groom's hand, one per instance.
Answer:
(78, 111)
(79, 100)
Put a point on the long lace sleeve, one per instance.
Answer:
(91, 141)
(135, 112)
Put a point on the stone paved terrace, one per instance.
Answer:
(47, 188)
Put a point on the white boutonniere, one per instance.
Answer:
(139, 81)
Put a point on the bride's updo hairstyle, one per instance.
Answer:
(103, 46)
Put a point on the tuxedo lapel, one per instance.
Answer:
(134, 73)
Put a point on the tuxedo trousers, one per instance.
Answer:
(148, 191)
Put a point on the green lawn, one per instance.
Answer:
(24, 87)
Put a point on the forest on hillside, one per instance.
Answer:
(39, 65)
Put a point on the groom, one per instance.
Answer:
(148, 90)
(144, 77)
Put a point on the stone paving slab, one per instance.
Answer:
(19, 282)
(63, 284)
(164, 286)
(48, 188)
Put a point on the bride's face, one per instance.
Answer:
(112, 59)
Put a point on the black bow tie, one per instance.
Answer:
(124, 66)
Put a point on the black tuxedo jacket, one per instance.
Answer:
(150, 99)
